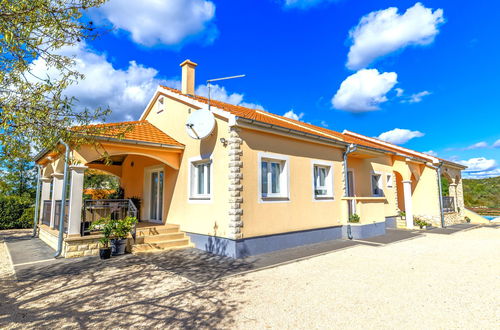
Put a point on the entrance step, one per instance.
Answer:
(157, 238)
(400, 222)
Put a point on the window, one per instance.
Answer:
(389, 180)
(201, 179)
(322, 181)
(273, 178)
(377, 185)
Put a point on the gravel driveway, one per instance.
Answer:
(431, 282)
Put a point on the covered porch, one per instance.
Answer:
(147, 172)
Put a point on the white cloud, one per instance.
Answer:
(156, 22)
(126, 91)
(399, 136)
(303, 4)
(364, 90)
(382, 32)
(431, 153)
(496, 144)
(479, 145)
(399, 92)
(220, 93)
(417, 97)
(292, 115)
(480, 167)
(324, 123)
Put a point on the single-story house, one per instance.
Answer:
(238, 181)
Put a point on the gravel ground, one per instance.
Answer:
(431, 282)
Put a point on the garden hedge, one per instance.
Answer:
(16, 212)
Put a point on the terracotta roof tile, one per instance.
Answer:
(141, 131)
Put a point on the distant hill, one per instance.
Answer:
(482, 192)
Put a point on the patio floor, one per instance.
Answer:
(34, 259)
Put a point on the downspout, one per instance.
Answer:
(349, 149)
(440, 193)
(63, 202)
(37, 201)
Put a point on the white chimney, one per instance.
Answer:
(188, 69)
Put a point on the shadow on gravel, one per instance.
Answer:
(124, 292)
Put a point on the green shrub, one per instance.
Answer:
(14, 212)
(420, 222)
(26, 219)
(354, 218)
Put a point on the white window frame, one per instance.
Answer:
(380, 184)
(193, 179)
(328, 180)
(284, 179)
(389, 177)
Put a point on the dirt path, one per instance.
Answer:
(435, 281)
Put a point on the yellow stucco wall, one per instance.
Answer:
(363, 168)
(202, 217)
(425, 195)
(301, 211)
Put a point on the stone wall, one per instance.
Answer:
(81, 247)
(235, 212)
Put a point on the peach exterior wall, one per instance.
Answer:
(425, 197)
(301, 212)
(207, 218)
(363, 168)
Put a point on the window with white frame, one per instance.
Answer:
(323, 183)
(273, 178)
(389, 180)
(377, 185)
(201, 179)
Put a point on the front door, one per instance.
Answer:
(156, 196)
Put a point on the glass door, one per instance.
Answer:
(156, 196)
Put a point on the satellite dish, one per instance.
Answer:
(200, 124)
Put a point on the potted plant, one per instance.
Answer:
(120, 231)
(106, 226)
(402, 214)
(467, 219)
(354, 218)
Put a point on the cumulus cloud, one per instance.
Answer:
(125, 91)
(479, 145)
(220, 93)
(303, 4)
(480, 167)
(382, 32)
(417, 97)
(153, 22)
(292, 115)
(496, 144)
(399, 92)
(399, 136)
(364, 90)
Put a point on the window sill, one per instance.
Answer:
(200, 198)
(275, 199)
(323, 198)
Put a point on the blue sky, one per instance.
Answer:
(429, 69)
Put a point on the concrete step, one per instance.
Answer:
(140, 250)
(157, 230)
(162, 245)
(159, 237)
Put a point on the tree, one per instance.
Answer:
(34, 110)
(17, 177)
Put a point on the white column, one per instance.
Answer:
(44, 196)
(75, 199)
(452, 191)
(408, 204)
(57, 179)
